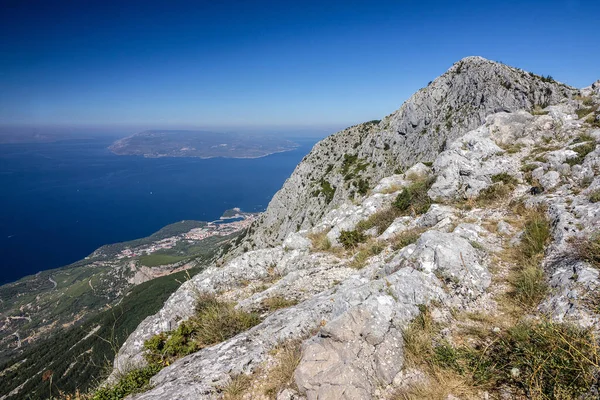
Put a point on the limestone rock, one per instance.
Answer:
(451, 105)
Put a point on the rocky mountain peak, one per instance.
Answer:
(344, 166)
(491, 253)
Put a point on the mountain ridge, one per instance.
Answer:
(417, 131)
(403, 240)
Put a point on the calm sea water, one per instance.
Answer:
(60, 201)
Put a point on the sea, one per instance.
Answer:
(60, 201)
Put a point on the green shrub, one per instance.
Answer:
(327, 190)
(595, 196)
(413, 199)
(403, 200)
(494, 192)
(529, 167)
(135, 381)
(214, 322)
(504, 178)
(351, 239)
(363, 186)
(582, 151)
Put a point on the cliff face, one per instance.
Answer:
(427, 264)
(356, 158)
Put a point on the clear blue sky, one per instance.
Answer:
(256, 63)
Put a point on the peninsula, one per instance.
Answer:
(171, 143)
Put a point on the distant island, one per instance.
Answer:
(200, 144)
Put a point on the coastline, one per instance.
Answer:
(203, 157)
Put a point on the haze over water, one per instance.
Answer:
(60, 201)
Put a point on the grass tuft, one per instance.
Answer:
(528, 282)
(287, 358)
(588, 249)
(237, 387)
(320, 241)
(351, 239)
(215, 321)
(278, 302)
(380, 220)
(582, 151)
(405, 238)
(367, 250)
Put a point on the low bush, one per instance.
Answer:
(505, 178)
(215, 321)
(582, 151)
(351, 239)
(594, 196)
(548, 360)
(494, 192)
(135, 381)
(413, 199)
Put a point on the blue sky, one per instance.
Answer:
(267, 63)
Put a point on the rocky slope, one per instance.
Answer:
(429, 251)
(349, 162)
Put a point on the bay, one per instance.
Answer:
(60, 201)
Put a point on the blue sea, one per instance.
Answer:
(60, 201)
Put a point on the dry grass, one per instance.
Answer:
(215, 321)
(527, 278)
(405, 238)
(372, 248)
(281, 376)
(380, 220)
(237, 387)
(441, 384)
(392, 189)
(320, 241)
(587, 249)
(278, 302)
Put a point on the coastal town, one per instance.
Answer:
(232, 221)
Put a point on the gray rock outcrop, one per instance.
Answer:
(350, 318)
(453, 104)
